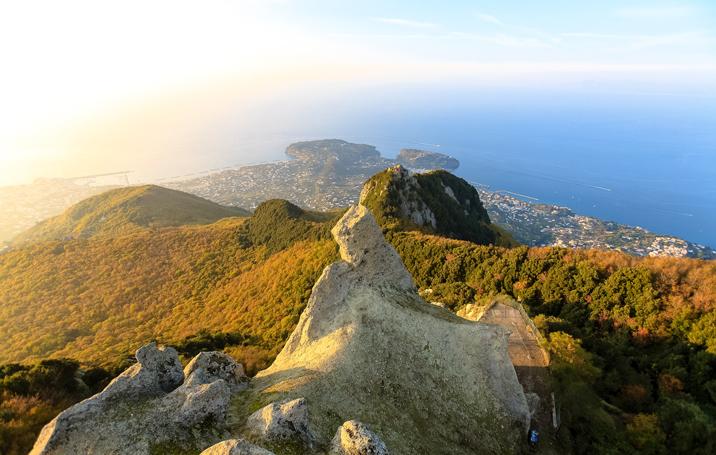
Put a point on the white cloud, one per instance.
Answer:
(640, 42)
(673, 39)
(489, 18)
(404, 22)
(589, 35)
(503, 39)
(655, 12)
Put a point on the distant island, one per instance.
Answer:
(328, 174)
(421, 159)
(321, 175)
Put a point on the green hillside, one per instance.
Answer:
(435, 202)
(632, 339)
(128, 210)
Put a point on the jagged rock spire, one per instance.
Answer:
(363, 246)
(369, 348)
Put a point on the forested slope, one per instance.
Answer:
(632, 340)
(128, 210)
(99, 299)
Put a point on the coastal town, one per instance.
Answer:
(329, 174)
(550, 225)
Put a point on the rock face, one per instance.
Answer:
(405, 188)
(283, 421)
(148, 405)
(235, 447)
(355, 438)
(207, 367)
(525, 347)
(367, 347)
(436, 202)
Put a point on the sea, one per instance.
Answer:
(642, 157)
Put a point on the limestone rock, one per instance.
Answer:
(201, 402)
(368, 347)
(532, 403)
(235, 447)
(287, 420)
(144, 407)
(208, 367)
(355, 438)
(157, 371)
(362, 244)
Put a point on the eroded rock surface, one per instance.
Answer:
(355, 438)
(236, 447)
(367, 347)
(284, 421)
(207, 367)
(148, 405)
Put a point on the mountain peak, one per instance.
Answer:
(127, 210)
(436, 202)
(362, 245)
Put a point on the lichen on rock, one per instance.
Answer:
(148, 405)
(355, 438)
(280, 422)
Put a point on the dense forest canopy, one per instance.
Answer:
(631, 339)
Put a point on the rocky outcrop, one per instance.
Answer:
(405, 188)
(367, 347)
(207, 367)
(157, 371)
(436, 202)
(527, 353)
(355, 438)
(279, 422)
(149, 404)
(235, 447)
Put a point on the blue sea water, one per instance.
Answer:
(644, 158)
(635, 158)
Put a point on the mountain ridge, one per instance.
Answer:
(128, 210)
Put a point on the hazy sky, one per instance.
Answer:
(85, 82)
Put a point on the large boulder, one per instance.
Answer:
(355, 438)
(368, 347)
(157, 371)
(280, 422)
(208, 367)
(149, 406)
